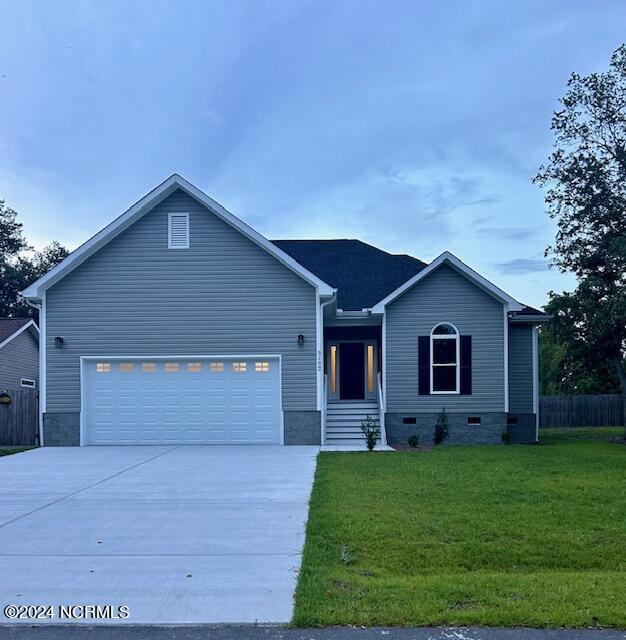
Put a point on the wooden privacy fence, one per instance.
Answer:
(603, 410)
(19, 419)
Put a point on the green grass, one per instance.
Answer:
(7, 451)
(491, 535)
(573, 434)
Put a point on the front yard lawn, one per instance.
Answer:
(491, 535)
(7, 451)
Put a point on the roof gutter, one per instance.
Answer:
(332, 299)
(364, 313)
(544, 317)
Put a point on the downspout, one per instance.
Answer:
(32, 304)
(324, 398)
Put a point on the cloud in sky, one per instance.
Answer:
(523, 266)
(508, 233)
(417, 128)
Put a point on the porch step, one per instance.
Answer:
(348, 424)
(339, 434)
(353, 417)
(352, 412)
(360, 443)
(360, 404)
(343, 421)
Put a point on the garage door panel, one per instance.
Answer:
(203, 401)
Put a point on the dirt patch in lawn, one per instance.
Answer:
(406, 447)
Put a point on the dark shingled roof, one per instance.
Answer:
(363, 274)
(530, 311)
(8, 326)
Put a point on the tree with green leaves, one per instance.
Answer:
(585, 179)
(19, 264)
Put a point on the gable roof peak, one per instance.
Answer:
(146, 204)
(11, 327)
(458, 265)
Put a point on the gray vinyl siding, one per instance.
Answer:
(445, 296)
(19, 359)
(224, 295)
(521, 368)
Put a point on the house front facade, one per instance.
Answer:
(180, 324)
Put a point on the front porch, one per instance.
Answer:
(352, 384)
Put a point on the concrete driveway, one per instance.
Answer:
(179, 534)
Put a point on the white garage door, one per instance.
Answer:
(181, 401)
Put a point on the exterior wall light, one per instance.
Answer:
(58, 342)
(300, 340)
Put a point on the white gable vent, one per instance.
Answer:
(178, 231)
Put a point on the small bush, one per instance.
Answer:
(506, 437)
(441, 428)
(371, 432)
(346, 556)
(413, 441)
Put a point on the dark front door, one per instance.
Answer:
(352, 371)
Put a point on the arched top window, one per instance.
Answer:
(444, 359)
(444, 329)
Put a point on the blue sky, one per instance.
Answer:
(416, 126)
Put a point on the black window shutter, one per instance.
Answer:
(423, 365)
(466, 365)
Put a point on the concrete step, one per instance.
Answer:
(359, 441)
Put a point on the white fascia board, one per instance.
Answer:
(29, 325)
(35, 290)
(535, 319)
(451, 260)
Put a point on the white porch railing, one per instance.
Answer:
(381, 411)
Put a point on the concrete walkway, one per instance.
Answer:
(179, 534)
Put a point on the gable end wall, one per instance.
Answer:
(445, 296)
(223, 295)
(19, 359)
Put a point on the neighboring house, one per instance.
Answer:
(179, 323)
(19, 353)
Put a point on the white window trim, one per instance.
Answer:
(169, 229)
(30, 383)
(457, 364)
